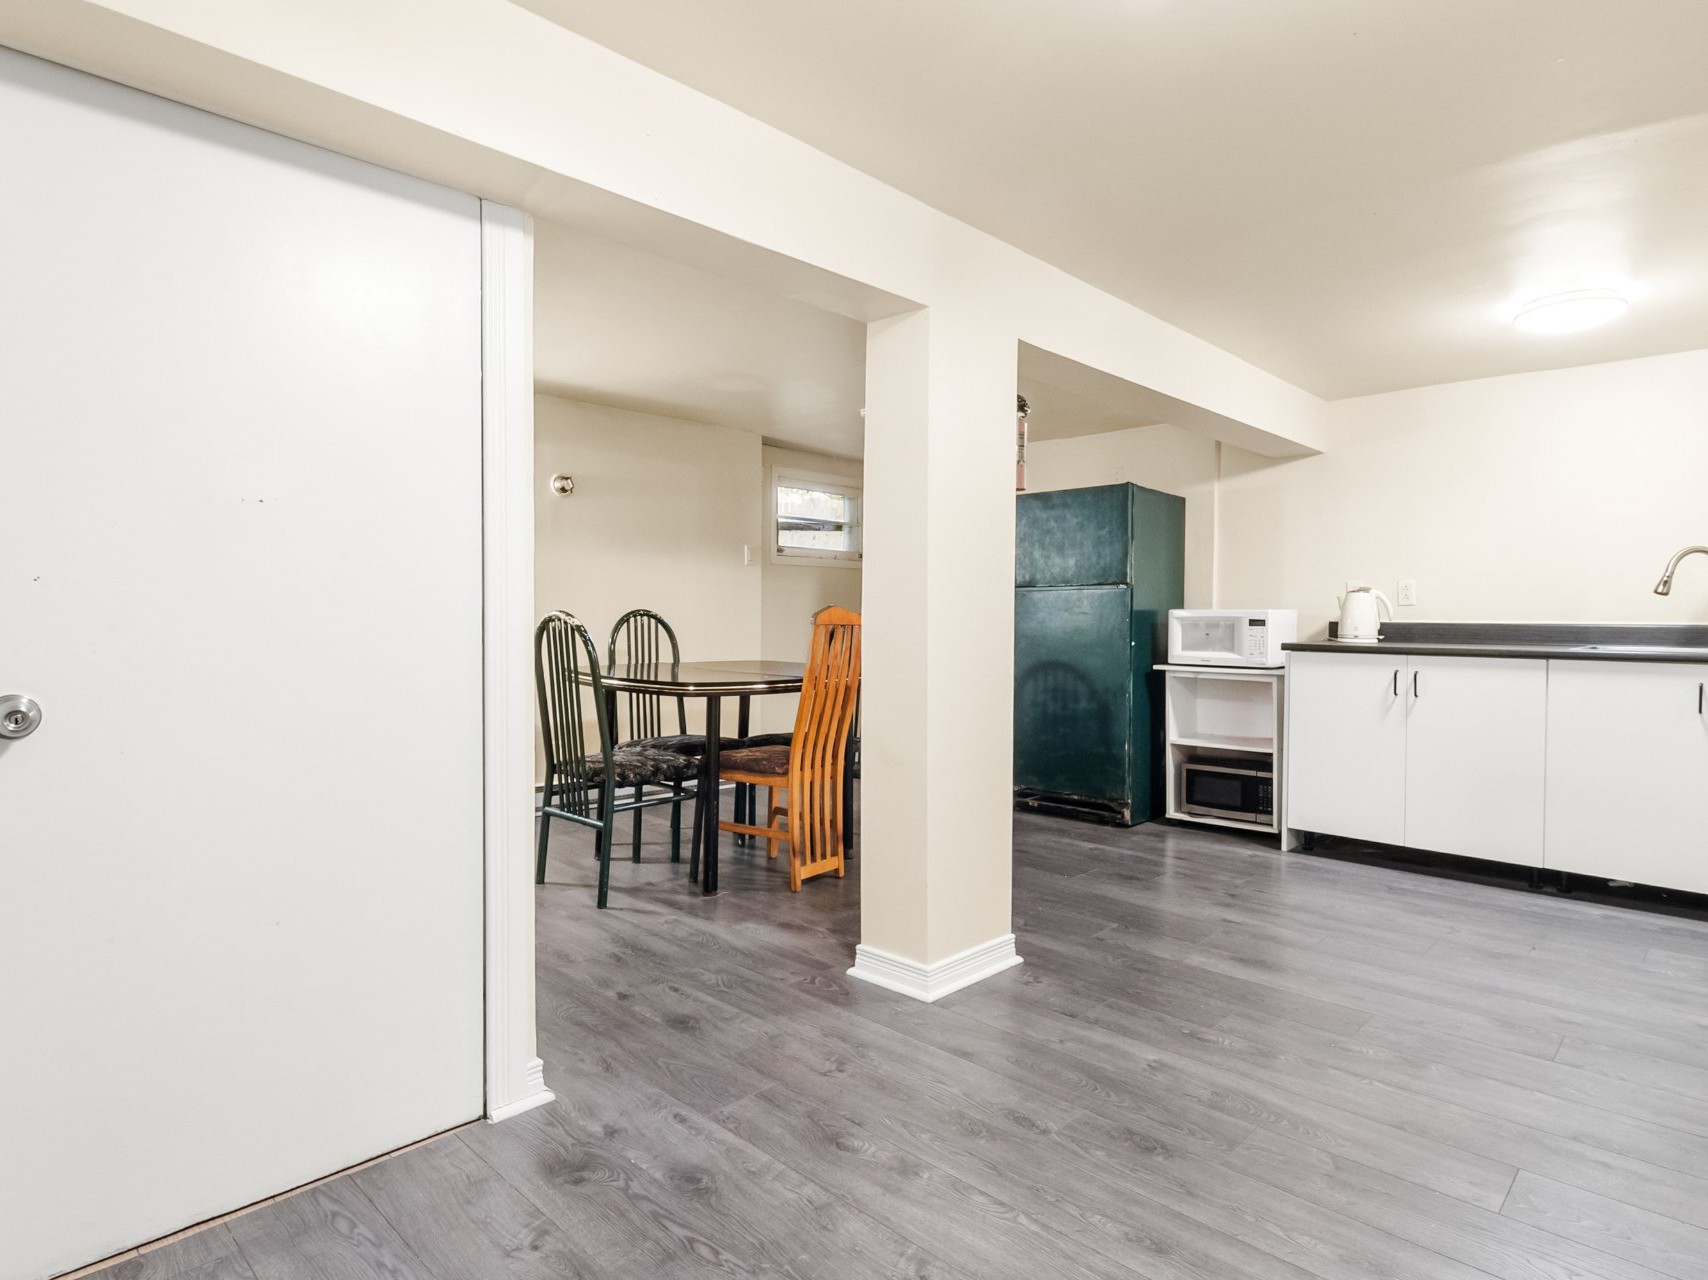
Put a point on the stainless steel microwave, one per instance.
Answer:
(1223, 789)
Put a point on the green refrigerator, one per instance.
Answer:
(1095, 573)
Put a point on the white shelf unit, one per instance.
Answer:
(1218, 714)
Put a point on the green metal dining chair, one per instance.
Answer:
(586, 772)
(642, 637)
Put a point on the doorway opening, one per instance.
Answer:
(1116, 527)
(698, 453)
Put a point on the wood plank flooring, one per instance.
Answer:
(1216, 1063)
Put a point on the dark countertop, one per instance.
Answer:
(1593, 642)
(1655, 653)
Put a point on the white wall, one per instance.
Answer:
(1539, 496)
(795, 590)
(661, 511)
(1170, 459)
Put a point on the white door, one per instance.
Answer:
(1346, 745)
(1628, 772)
(240, 890)
(1475, 735)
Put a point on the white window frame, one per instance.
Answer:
(843, 485)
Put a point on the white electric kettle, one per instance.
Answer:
(1360, 621)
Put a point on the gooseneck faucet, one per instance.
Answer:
(1664, 586)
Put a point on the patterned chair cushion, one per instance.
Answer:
(783, 740)
(772, 761)
(766, 740)
(686, 744)
(636, 766)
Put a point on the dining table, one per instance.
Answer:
(713, 682)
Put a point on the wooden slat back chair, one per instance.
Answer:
(586, 771)
(809, 767)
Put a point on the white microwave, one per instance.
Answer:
(1230, 637)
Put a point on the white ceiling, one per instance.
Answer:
(1066, 399)
(1058, 413)
(620, 326)
(1353, 194)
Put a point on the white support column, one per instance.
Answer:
(937, 724)
(514, 1074)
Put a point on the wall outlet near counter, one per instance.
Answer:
(1407, 594)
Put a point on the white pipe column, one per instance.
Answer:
(937, 839)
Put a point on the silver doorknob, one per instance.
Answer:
(19, 716)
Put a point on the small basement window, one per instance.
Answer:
(814, 517)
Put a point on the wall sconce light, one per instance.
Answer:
(563, 485)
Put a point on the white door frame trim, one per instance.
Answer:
(515, 1080)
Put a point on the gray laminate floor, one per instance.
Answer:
(1216, 1062)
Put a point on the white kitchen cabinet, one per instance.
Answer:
(1627, 772)
(1593, 767)
(1346, 744)
(1476, 730)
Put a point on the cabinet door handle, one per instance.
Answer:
(1396, 682)
(1699, 697)
(1414, 691)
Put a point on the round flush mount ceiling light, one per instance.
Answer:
(1570, 312)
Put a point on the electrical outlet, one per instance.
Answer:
(1407, 594)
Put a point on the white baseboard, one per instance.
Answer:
(930, 982)
(537, 1096)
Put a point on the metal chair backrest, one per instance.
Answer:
(566, 668)
(830, 692)
(643, 638)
